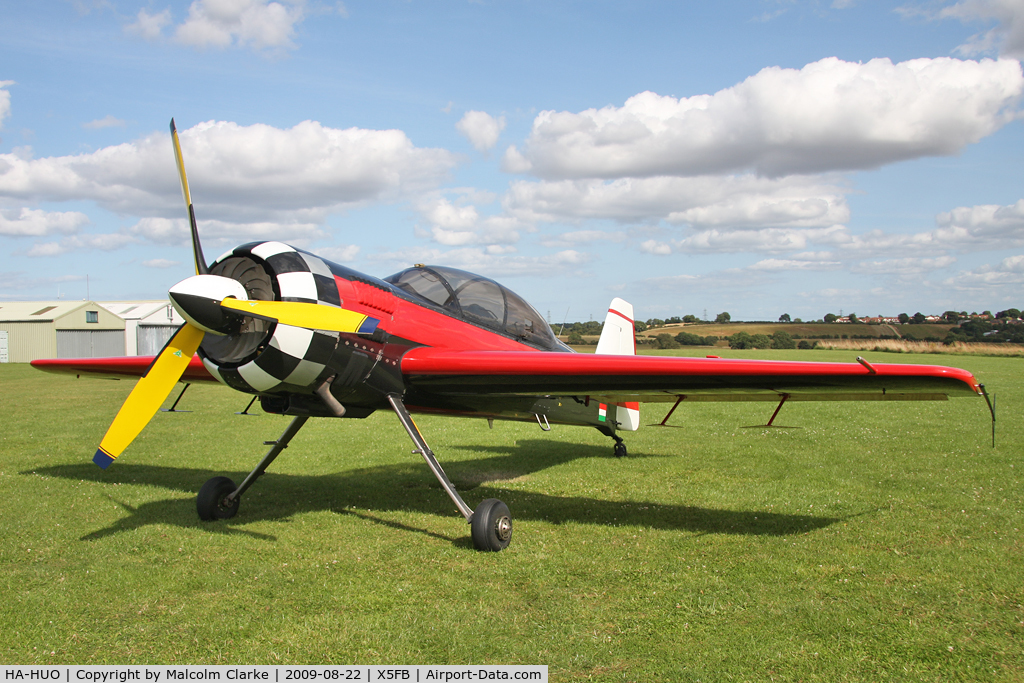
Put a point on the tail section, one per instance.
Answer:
(618, 338)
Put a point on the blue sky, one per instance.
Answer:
(759, 157)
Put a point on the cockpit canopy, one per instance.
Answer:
(478, 300)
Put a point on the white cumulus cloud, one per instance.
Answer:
(175, 231)
(481, 129)
(1006, 38)
(788, 265)
(281, 182)
(5, 100)
(725, 202)
(490, 262)
(902, 267)
(766, 241)
(582, 237)
(36, 222)
(460, 223)
(964, 229)
(257, 24)
(341, 254)
(655, 247)
(104, 242)
(108, 121)
(1008, 275)
(250, 23)
(830, 115)
(149, 26)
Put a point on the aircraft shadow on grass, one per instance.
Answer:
(411, 487)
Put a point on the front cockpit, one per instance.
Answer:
(478, 300)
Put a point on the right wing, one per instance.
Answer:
(620, 379)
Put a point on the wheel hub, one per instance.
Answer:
(503, 528)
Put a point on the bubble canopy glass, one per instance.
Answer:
(478, 300)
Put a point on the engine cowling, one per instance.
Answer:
(261, 356)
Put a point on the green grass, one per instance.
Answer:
(866, 542)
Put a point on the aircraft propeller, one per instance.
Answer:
(210, 304)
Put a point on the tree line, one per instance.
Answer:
(1002, 327)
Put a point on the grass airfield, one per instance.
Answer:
(861, 542)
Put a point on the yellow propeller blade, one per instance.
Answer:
(149, 394)
(310, 316)
(197, 249)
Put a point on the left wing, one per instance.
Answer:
(119, 367)
(619, 379)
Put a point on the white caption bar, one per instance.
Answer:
(121, 673)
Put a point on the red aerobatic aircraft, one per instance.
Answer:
(312, 338)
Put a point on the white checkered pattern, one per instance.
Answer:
(295, 358)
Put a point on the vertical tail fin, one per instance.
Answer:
(618, 338)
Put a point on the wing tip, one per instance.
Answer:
(102, 459)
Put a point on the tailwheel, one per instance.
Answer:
(213, 502)
(491, 526)
(620, 449)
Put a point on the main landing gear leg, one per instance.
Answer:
(219, 498)
(491, 524)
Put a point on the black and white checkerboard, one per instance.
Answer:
(295, 356)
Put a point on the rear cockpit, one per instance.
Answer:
(478, 300)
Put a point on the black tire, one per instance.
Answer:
(620, 450)
(211, 503)
(491, 526)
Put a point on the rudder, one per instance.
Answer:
(618, 338)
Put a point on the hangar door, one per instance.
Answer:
(152, 338)
(90, 343)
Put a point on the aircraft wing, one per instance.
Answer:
(620, 379)
(119, 367)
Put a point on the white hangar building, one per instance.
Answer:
(58, 329)
(147, 324)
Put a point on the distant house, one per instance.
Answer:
(147, 324)
(58, 329)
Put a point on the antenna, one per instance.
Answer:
(87, 298)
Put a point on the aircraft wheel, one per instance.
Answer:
(620, 450)
(212, 503)
(491, 526)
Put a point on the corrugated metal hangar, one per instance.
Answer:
(147, 324)
(60, 329)
(84, 329)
